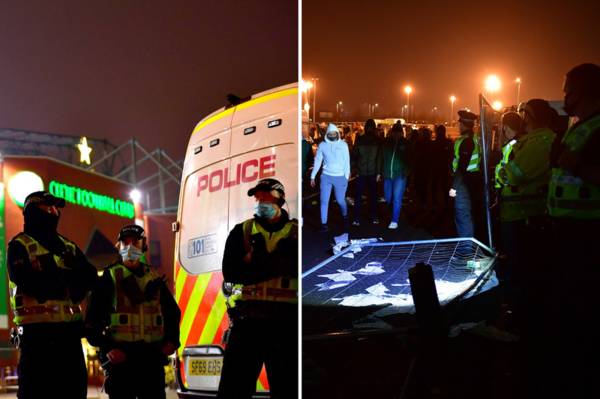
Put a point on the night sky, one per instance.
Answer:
(144, 69)
(367, 51)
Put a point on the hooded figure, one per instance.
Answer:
(333, 155)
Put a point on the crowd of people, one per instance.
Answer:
(544, 194)
(385, 161)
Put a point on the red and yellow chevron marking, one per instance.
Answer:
(204, 313)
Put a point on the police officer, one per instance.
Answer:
(524, 178)
(49, 278)
(511, 125)
(134, 320)
(467, 184)
(261, 259)
(574, 206)
(511, 128)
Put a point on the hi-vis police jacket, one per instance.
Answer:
(131, 305)
(471, 151)
(47, 284)
(271, 273)
(525, 176)
(569, 196)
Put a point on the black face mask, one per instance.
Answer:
(334, 137)
(570, 106)
(40, 221)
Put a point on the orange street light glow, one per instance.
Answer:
(497, 105)
(408, 89)
(492, 83)
(305, 85)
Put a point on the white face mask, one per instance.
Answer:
(130, 253)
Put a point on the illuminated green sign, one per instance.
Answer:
(90, 199)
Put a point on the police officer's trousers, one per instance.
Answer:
(253, 342)
(141, 375)
(51, 363)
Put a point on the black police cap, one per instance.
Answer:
(267, 185)
(44, 198)
(132, 230)
(466, 116)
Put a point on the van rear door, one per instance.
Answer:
(203, 226)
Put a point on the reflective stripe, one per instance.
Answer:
(278, 289)
(49, 312)
(506, 151)
(524, 198)
(588, 205)
(27, 309)
(473, 165)
(568, 195)
(131, 322)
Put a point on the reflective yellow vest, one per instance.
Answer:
(134, 322)
(282, 289)
(474, 161)
(506, 151)
(569, 196)
(525, 177)
(27, 309)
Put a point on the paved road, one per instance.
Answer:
(416, 223)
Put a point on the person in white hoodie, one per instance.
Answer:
(334, 155)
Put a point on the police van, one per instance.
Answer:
(228, 152)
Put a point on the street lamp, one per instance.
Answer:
(497, 105)
(452, 100)
(135, 195)
(314, 86)
(408, 90)
(338, 108)
(492, 84)
(305, 87)
(375, 109)
(518, 82)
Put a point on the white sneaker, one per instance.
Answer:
(393, 226)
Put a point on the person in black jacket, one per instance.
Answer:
(261, 261)
(366, 160)
(49, 278)
(441, 168)
(129, 293)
